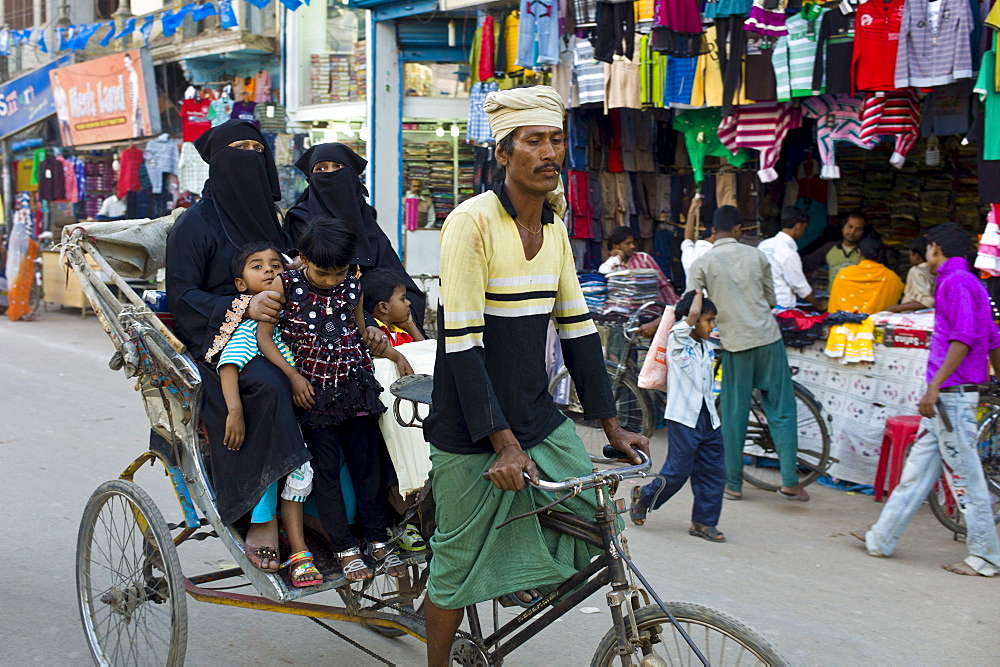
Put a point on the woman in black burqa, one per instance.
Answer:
(237, 206)
(335, 189)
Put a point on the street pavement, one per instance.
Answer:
(789, 570)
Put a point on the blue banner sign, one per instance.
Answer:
(28, 99)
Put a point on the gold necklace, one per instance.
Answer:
(516, 222)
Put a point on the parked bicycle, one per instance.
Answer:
(637, 413)
(942, 497)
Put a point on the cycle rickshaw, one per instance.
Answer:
(131, 590)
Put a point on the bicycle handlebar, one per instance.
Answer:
(619, 474)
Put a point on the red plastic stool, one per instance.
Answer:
(900, 432)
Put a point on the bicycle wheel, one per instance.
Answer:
(634, 410)
(403, 596)
(941, 499)
(760, 456)
(722, 639)
(129, 581)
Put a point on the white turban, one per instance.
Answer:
(508, 110)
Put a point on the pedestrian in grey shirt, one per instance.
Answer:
(738, 277)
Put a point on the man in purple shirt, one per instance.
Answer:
(965, 341)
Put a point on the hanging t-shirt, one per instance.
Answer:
(244, 111)
(271, 117)
(588, 73)
(876, 38)
(946, 109)
(934, 47)
(262, 86)
(220, 110)
(760, 84)
(194, 118)
(834, 50)
(51, 183)
(24, 169)
(795, 54)
(990, 98)
(128, 172)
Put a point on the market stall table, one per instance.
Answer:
(857, 398)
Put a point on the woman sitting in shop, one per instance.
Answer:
(237, 207)
(867, 287)
(335, 189)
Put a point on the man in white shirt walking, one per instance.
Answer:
(782, 253)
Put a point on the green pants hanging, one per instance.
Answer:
(764, 368)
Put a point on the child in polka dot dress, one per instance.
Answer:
(334, 387)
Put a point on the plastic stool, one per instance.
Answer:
(900, 432)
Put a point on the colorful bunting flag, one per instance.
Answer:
(127, 28)
(172, 20)
(259, 4)
(110, 34)
(42, 46)
(291, 5)
(146, 29)
(202, 12)
(227, 17)
(83, 35)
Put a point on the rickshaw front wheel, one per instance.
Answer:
(129, 582)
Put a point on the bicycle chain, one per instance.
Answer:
(352, 642)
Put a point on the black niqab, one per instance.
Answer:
(242, 184)
(340, 194)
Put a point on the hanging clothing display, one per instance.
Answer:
(51, 183)
(538, 34)
(160, 157)
(615, 31)
(761, 84)
(194, 118)
(896, 115)
(487, 50)
(191, 169)
(946, 109)
(767, 17)
(934, 47)
(677, 29)
(876, 41)
(588, 73)
(794, 57)
(761, 126)
(834, 49)
(129, 163)
(837, 120)
(700, 130)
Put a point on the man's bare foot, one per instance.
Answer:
(961, 567)
(859, 534)
(262, 545)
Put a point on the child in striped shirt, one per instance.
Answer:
(255, 265)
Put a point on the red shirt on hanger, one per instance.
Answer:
(194, 118)
(128, 172)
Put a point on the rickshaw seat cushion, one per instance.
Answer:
(417, 388)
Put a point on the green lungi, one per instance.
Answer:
(764, 368)
(473, 561)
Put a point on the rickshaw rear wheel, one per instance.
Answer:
(129, 582)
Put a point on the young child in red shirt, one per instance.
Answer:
(385, 299)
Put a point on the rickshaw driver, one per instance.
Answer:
(507, 269)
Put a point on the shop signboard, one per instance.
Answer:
(107, 99)
(28, 99)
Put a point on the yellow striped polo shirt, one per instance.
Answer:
(495, 307)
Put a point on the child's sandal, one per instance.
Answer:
(302, 564)
(354, 566)
(389, 558)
